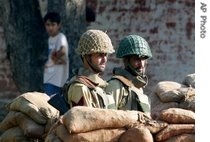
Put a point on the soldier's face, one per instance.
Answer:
(138, 63)
(98, 61)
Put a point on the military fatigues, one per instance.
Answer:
(126, 95)
(86, 89)
(126, 84)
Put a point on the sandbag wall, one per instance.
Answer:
(174, 103)
(29, 118)
(104, 125)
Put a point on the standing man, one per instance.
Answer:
(127, 83)
(56, 70)
(85, 88)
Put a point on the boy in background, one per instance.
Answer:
(56, 70)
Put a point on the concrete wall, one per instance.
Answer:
(168, 26)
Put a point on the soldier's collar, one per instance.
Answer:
(94, 77)
(138, 81)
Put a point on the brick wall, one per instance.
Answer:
(168, 26)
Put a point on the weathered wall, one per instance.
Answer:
(7, 87)
(168, 26)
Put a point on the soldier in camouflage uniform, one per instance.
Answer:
(86, 87)
(127, 83)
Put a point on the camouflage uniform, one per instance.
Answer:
(126, 87)
(86, 87)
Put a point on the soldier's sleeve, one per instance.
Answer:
(115, 88)
(76, 94)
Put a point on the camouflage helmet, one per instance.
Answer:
(133, 45)
(94, 41)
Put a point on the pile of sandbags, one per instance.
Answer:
(29, 118)
(103, 125)
(170, 94)
(181, 125)
(174, 103)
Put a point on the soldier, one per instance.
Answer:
(86, 87)
(126, 84)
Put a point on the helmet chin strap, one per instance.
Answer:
(133, 71)
(140, 79)
(94, 68)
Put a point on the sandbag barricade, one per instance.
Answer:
(30, 116)
(175, 95)
(174, 103)
(103, 125)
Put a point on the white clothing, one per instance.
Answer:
(53, 73)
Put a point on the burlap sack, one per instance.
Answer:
(178, 116)
(101, 135)
(182, 138)
(35, 105)
(174, 130)
(28, 126)
(50, 123)
(177, 95)
(171, 96)
(155, 111)
(154, 126)
(136, 134)
(14, 134)
(52, 138)
(9, 121)
(188, 103)
(165, 86)
(189, 80)
(83, 119)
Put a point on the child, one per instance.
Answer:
(56, 70)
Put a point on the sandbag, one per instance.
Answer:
(174, 130)
(26, 107)
(101, 135)
(171, 96)
(182, 138)
(9, 121)
(28, 126)
(177, 95)
(83, 119)
(165, 86)
(136, 134)
(188, 103)
(189, 80)
(187, 91)
(52, 138)
(154, 126)
(155, 111)
(50, 123)
(178, 116)
(35, 105)
(14, 134)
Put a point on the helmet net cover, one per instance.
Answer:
(133, 45)
(94, 41)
